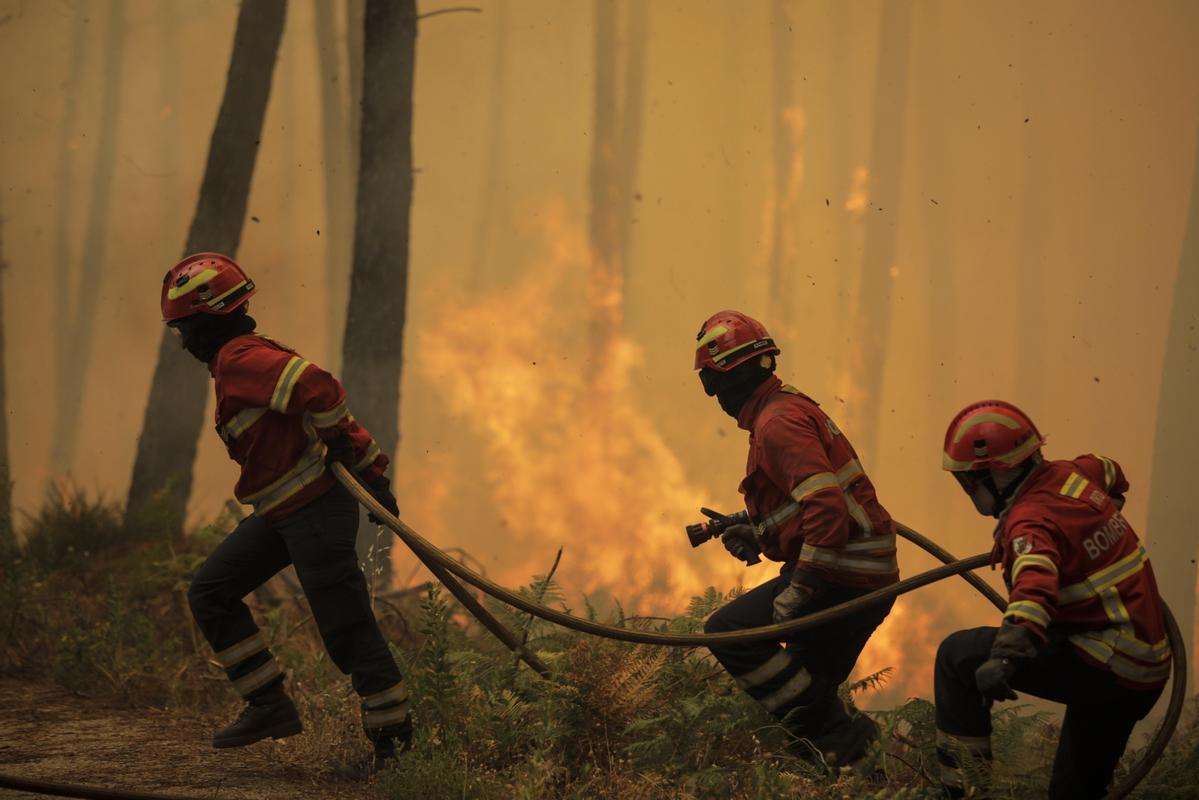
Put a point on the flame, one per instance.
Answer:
(905, 642)
(568, 455)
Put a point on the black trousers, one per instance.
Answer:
(796, 680)
(319, 540)
(1100, 713)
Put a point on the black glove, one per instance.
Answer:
(1013, 644)
(340, 451)
(742, 542)
(381, 489)
(790, 602)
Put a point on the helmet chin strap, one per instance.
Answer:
(1003, 496)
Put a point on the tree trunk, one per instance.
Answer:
(166, 450)
(75, 354)
(615, 146)
(1173, 542)
(873, 320)
(7, 536)
(337, 149)
(373, 346)
(785, 117)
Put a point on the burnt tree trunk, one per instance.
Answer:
(76, 342)
(1173, 541)
(873, 319)
(372, 350)
(166, 450)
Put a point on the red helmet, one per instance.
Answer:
(729, 338)
(204, 283)
(990, 433)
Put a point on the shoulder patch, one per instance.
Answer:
(1021, 546)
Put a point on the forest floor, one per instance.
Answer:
(50, 734)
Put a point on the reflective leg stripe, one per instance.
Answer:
(974, 745)
(766, 672)
(247, 684)
(396, 694)
(385, 716)
(788, 692)
(232, 656)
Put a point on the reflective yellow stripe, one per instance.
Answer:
(979, 419)
(859, 514)
(286, 383)
(765, 672)
(712, 334)
(327, 419)
(722, 356)
(835, 559)
(1032, 560)
(232, 656)
(816, 483)
(248, 684)
(1105, 654)
(780, 515)
(850, 472)
(1110, 575)
(396, 694)
(240, 423)
(1029, 610)
(789, 691)
(1074, 485)
(214, 302)
(385, 716)
(978, 745)
(372, 452)
(1109, 471)
(175, 292)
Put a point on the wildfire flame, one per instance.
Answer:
(569, 455)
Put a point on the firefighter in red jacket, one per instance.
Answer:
(283, 419)
(813, 509)
(1083, 625)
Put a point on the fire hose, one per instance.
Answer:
(448, 571)
(429, 554)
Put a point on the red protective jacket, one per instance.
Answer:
(275, 411)
(805, 489)
(1073, 564)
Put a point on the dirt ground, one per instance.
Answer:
(46, 734)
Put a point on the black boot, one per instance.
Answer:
(270, 713)
(389, 742)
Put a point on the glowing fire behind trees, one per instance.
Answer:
(571, 459)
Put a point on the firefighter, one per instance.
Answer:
(1083, 625)
(815, 510)
(283, 420)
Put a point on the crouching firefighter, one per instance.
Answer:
(813, 509)
(283, 420)
(1083, 625)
